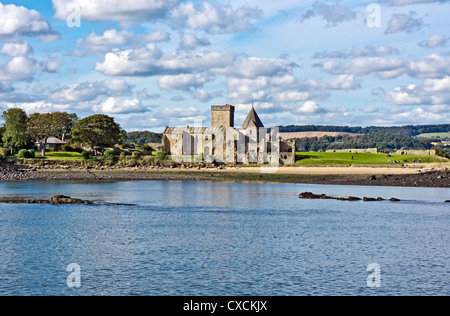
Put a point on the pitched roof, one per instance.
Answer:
(55, 141)
(252, 119)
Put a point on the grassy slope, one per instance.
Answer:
(434, 135)
(330, 159)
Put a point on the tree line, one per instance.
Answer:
(384, 142)
(408, 130)
(20, 131)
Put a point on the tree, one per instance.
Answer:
(15, 135)
(97, 130)
(63, 123)
(40, 128)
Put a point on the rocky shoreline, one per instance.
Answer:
(436, 178)
(312, 196)
(56, 200)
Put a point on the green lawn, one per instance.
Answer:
(57, 155)
(435, 135)
(330, 159)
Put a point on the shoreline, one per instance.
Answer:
(426, 176)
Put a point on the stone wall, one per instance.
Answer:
(430, 152)
(222, 116)
(359, 151)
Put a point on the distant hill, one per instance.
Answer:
(408, 130)
(142, 138)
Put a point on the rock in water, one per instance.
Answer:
(448, 201)
(62, 199)
(395, 200)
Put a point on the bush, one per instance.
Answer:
(32, 153)
(67, 148)
(4, 152)
(109, 154)
(161, 155)
(25, 154)
(441, 153)
(136, 155)
(86, 155)
(148, 161)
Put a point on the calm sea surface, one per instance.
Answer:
(188, 238)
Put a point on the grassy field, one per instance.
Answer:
(331, 159)
(435, 135)
(56, 155)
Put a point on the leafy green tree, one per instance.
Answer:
(15, 135)
(63, 123)
(97, 130)
(40, 128)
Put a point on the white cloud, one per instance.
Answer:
(383, 68)
(112, 38)
(409, 2)
(18, 68)
(310, 108)
(190, 41)
(184, 82)
(20, 21)
(15, 49)
(430, 92)
(89, 91)
(432, 66)
(150, 61)
(434, 41)
(342, 82)
(113, 10)
(355, 52)
(293, 96)
(205, 96)
(402, 22)
(332, 13)
(214, 17)
(252, 67)
(117, 106)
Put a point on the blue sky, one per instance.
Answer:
(152, 63)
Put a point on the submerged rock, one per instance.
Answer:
(62, 199)
(56, 200)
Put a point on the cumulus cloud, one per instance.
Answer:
(251, 67)
(311, 108)
(89, 91)
(405, 22)
(381, 67)
(434, 41)
(190, 41)
(112, 38)
(430, 92)
(355, 52)
(214, 17)
(342, 82)
(118, 106)
(19, 68)
(408, 2)
(113, 10)
(14, 49)
(150, 61)
(184, 82)
(332, 13)
(432, 66)
(20, 21)
(205, 96)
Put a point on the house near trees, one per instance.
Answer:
(52, 143)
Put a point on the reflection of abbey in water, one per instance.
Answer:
(251, 144)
